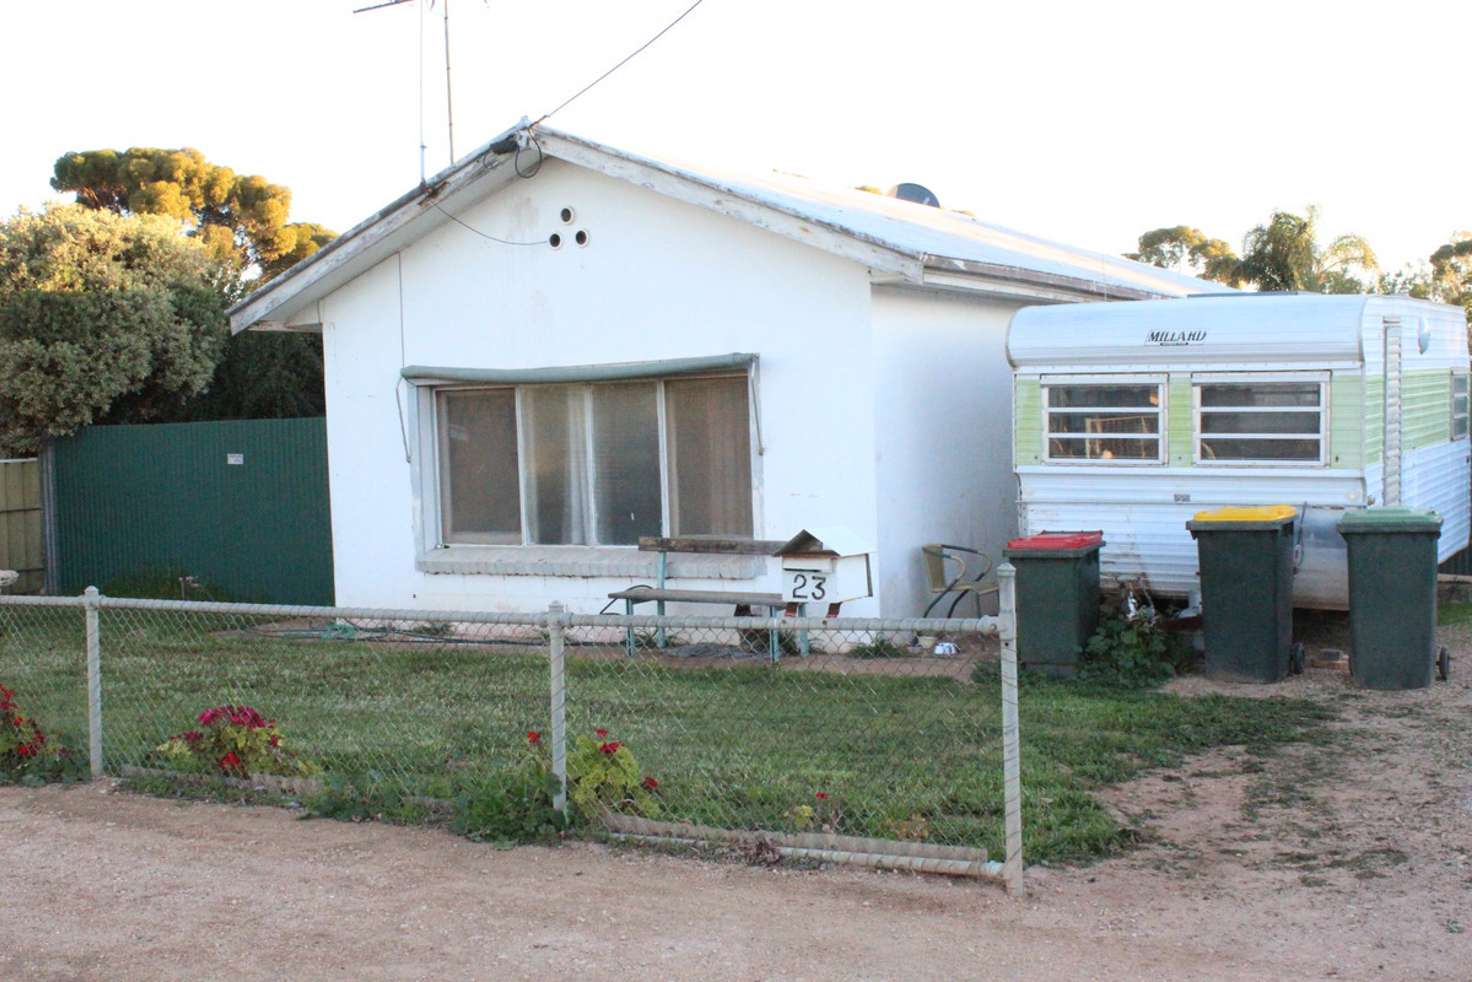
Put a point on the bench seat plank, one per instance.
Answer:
(650, 594)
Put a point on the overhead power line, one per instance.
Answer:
(626, 59)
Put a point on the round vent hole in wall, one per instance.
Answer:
(568, 215)
(555, 241)
(582, 237)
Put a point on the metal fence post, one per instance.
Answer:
(1011, 734)
(94, 679)
(555, 614)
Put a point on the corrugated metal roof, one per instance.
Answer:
(918, 238)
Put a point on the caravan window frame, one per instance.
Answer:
(1160, 382)
(1460, 416)
(1202, 380)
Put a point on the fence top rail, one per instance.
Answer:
(879, 625)
(541, 619)
(27, 600)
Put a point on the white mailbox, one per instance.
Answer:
(825, 566)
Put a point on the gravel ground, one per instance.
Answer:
(1347, 859)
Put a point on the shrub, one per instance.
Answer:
(236, 741)
(25, 752)
(878, 648)
(823, 815)
(1132, 650)
(603, 776)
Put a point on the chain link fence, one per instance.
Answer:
(888, 743)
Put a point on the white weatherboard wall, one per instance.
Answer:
(941, 407)
(659, 279)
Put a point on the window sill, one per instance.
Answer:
(585, 561)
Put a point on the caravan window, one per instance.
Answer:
(1116, 421)
(1260, 420)
(1459, 405)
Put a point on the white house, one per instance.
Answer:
(554, 347)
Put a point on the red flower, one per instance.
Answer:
(275, 739)
(229, 762)
(821, 795)
(533, 737)
(611, 747)
(192, 736)
(649, 783)
(24, 750)
(600, 733)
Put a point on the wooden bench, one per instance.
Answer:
(708, 545)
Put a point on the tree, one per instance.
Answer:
(241, 218)
(241, 222)
(103, 318)
(1284, 254)
(1281, 254)
(1451, 271)
(1187, 249)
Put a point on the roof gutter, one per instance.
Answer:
(1003, 279)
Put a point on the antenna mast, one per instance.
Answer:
(449, 92)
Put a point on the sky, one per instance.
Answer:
(1084, 122)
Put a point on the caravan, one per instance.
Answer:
(1131, 417)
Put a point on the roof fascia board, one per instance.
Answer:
(373, 230)
(692, 189)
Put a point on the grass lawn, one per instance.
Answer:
(1453, 614)
(740, 744)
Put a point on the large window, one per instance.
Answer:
(598, 464)
(1116, 421)
(1459, 405)
(1260, 420)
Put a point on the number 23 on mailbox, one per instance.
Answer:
(825, 566)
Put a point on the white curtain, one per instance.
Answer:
(555, 431)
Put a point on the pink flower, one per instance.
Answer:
(600, 733)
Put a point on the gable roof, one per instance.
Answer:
(900, 240)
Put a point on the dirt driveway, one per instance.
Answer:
(1346, 859)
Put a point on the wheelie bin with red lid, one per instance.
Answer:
(1057, 597)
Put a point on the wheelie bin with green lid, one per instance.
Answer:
(1246, 561)
(1392, 595)
(1057, 597)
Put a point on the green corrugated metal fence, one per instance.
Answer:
(241, 505)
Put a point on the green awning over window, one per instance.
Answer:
(620, 371)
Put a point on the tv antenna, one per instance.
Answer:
(449, 91)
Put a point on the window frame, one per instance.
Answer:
(1465, 377)
(1161, 382)
(1321, 379)
(424, 405)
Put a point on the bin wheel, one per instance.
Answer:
(1444, 665)
(1295, 659)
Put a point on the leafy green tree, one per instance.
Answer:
(241, 221)
(103, 318)
(1187, 249)
(1281, 254)
(239, 217)
(1284, 254)
(1451, 271)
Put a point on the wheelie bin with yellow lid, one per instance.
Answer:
(1246, 562)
